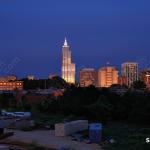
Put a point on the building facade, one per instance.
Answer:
(122, 80)
(130, 71)
(68, 68)
(11, 85)
(107, 76)
(8, 78)
(145, 77)
(88, 76)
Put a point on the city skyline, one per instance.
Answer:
(33, 31)
(16, 60)
(74, 74)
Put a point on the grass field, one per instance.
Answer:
(44, 120)
(126, 137)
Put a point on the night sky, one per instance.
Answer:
(32, 33)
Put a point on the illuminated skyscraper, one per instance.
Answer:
(107, 76)
(68, 68)
(130, 71)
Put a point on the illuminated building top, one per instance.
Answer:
(68, 68)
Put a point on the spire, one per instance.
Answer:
(65, 43)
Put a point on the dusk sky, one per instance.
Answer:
(32, 33)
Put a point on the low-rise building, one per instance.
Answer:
(8, 78)
(145, 77)
(31, 77)
(51, 76)
(11, 85)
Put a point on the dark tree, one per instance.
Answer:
(139, 85)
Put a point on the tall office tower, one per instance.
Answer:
(130, 71)
(107, 76)
(68, 68)
(88, 76)
(145, 77)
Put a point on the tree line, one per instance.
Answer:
(90, 103)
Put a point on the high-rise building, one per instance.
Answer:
(107, 76)
(88, 76)
(145, 77)
(68, 68)
(130, 71)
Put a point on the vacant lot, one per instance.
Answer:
(47, 139)
(126, 137)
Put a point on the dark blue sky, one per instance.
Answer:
(32, 33)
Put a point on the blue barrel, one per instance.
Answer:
(95, 132)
